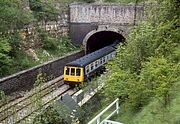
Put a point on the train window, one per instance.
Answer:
(110, 55)
(87, 69)
(72, 71)
(107, 57)
(101, 61)
(92, 66)
(104, 59)
(96, 64)
(67, 71)
(78, 72)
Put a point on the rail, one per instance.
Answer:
(21, 110)
(105, 121)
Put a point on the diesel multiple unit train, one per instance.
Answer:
(80, 70)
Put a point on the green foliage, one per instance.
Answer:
(159, 75)
(2, 96)
(15, 43)
(65, 45)
(5, 59)
(40, 80)
(43, 10)
(11, 15)
(147, 67)
(54, 114)
(49, 43)
(60, 45)
(14, 59)
(140, 46)
(21, 61)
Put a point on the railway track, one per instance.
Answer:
(28, 95)
(29, 118)
(20, 110)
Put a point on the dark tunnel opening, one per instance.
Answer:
(102, 39)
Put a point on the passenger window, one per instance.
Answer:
(110, 56)
(92, 66)
(67, 71)
(107, 57)
(104, 59)
(78, 72)
(72, 71)
(96, 64)
(101, 61)
(87, 69)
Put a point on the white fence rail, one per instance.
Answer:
(97, 119)
(110, 122)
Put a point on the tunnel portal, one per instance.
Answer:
(101, 39)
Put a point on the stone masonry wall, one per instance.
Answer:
(105, 13)
(25, 79)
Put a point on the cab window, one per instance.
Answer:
(78, 72)
(72, 71)
(67, 71)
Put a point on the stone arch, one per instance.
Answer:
(109, 35)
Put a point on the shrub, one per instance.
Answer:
(5, 60)
(49, 43)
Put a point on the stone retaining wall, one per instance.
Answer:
(24, 80)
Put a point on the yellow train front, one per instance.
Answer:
(73, 74)
(80, 70)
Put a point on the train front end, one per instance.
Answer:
(73, 75)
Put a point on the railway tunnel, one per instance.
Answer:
(100, 39)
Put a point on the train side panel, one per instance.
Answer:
(94, 66)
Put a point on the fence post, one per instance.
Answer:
(117, 107)
(98, 120)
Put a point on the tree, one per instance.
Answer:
(44, 10)
(13, 15)
(159, 75)
(147, 66)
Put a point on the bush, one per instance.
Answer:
(22, 61)
(49, 43)
(5, 59)
(11, 15)
(44, 10)
(54, 114)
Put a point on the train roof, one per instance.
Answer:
(85, 60)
